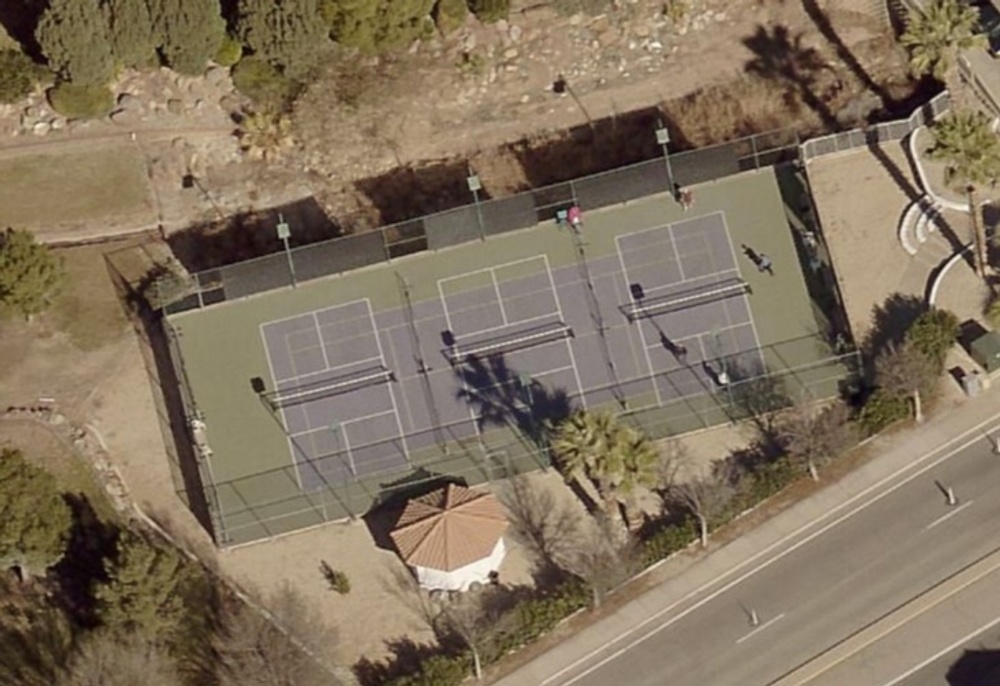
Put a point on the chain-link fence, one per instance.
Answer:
(880, 133)
(473, 222)
(273, 502)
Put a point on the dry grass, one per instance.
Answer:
(87, 310)
(74, 188)
(45, 449)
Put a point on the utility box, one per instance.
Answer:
(985, 350)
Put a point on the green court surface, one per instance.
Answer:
(254, 490)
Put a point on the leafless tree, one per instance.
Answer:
(905, 370)
(539, 521)
(257, 650)
(601, 558)
(473, 617)
(107, 658)
(705, 497)
(815, 435)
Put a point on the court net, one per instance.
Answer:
(650, 307)
(326, 388)
(558, 331)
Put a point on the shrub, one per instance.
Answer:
(668, 540)
(337, 579)
(229, 52)
(436, 670)
(264, 84)
(81, 102)
(992, 313)
(882, 409)
(766, 479)
(934, 333)
(490, 11)
(18, 75)
(450, 15)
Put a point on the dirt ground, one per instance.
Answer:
(436, 117)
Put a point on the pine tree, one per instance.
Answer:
(18, 75)
(30, 275)
(130, 29)
(74, 38)
(34, 518)
(288, 35)
(189, 32)
(146, 590)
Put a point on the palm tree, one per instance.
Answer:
(616, 459)
(937, 36)
(970, 150)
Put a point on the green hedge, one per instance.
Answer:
(667, 540)
(264, 84)
(881, 410)
(81, 102)
(490, 11)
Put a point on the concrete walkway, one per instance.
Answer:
(966, 421)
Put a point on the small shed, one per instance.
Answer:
(985, 350)
(452, 537)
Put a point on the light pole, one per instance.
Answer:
(475, 185)
(663, 139)
(284, 231)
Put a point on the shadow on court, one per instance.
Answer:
(501, 397)
(975, 668)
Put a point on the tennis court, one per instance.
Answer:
(358, 390)
(320, 399)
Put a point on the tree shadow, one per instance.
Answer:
(407, 192)
(781, 56)
(889, 324)
(892, 169)
(758, 395)
(154, 335)
(975, 668)
(603, 144)
(406, 656)
(502, 397)
(20, 18)
(91, 542)
(825, 27)
(251, 234)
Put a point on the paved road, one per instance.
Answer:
(975, 663)
(821, 585)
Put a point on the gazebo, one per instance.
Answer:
(452, 537)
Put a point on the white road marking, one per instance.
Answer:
(943, 651)
(760, 628)
(947, 516)
(768, 550)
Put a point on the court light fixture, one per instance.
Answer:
(475, 185)
(284, 233)
(663, 140)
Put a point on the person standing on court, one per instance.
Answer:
(765, 264)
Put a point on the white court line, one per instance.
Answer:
(710, 280)
(642, 333)
(567, 341)
(355, 420)
(465, 386)
(304, 315)
(760, 628)
(945, 517)
(976, 431)
(944, 651)
(395, 360)
(496, 289)
(392, 393)
(289, 441)
(319, 335)
(301, 377)
(677, 253)
(490, 329)
(486, 269)
(746, 301)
